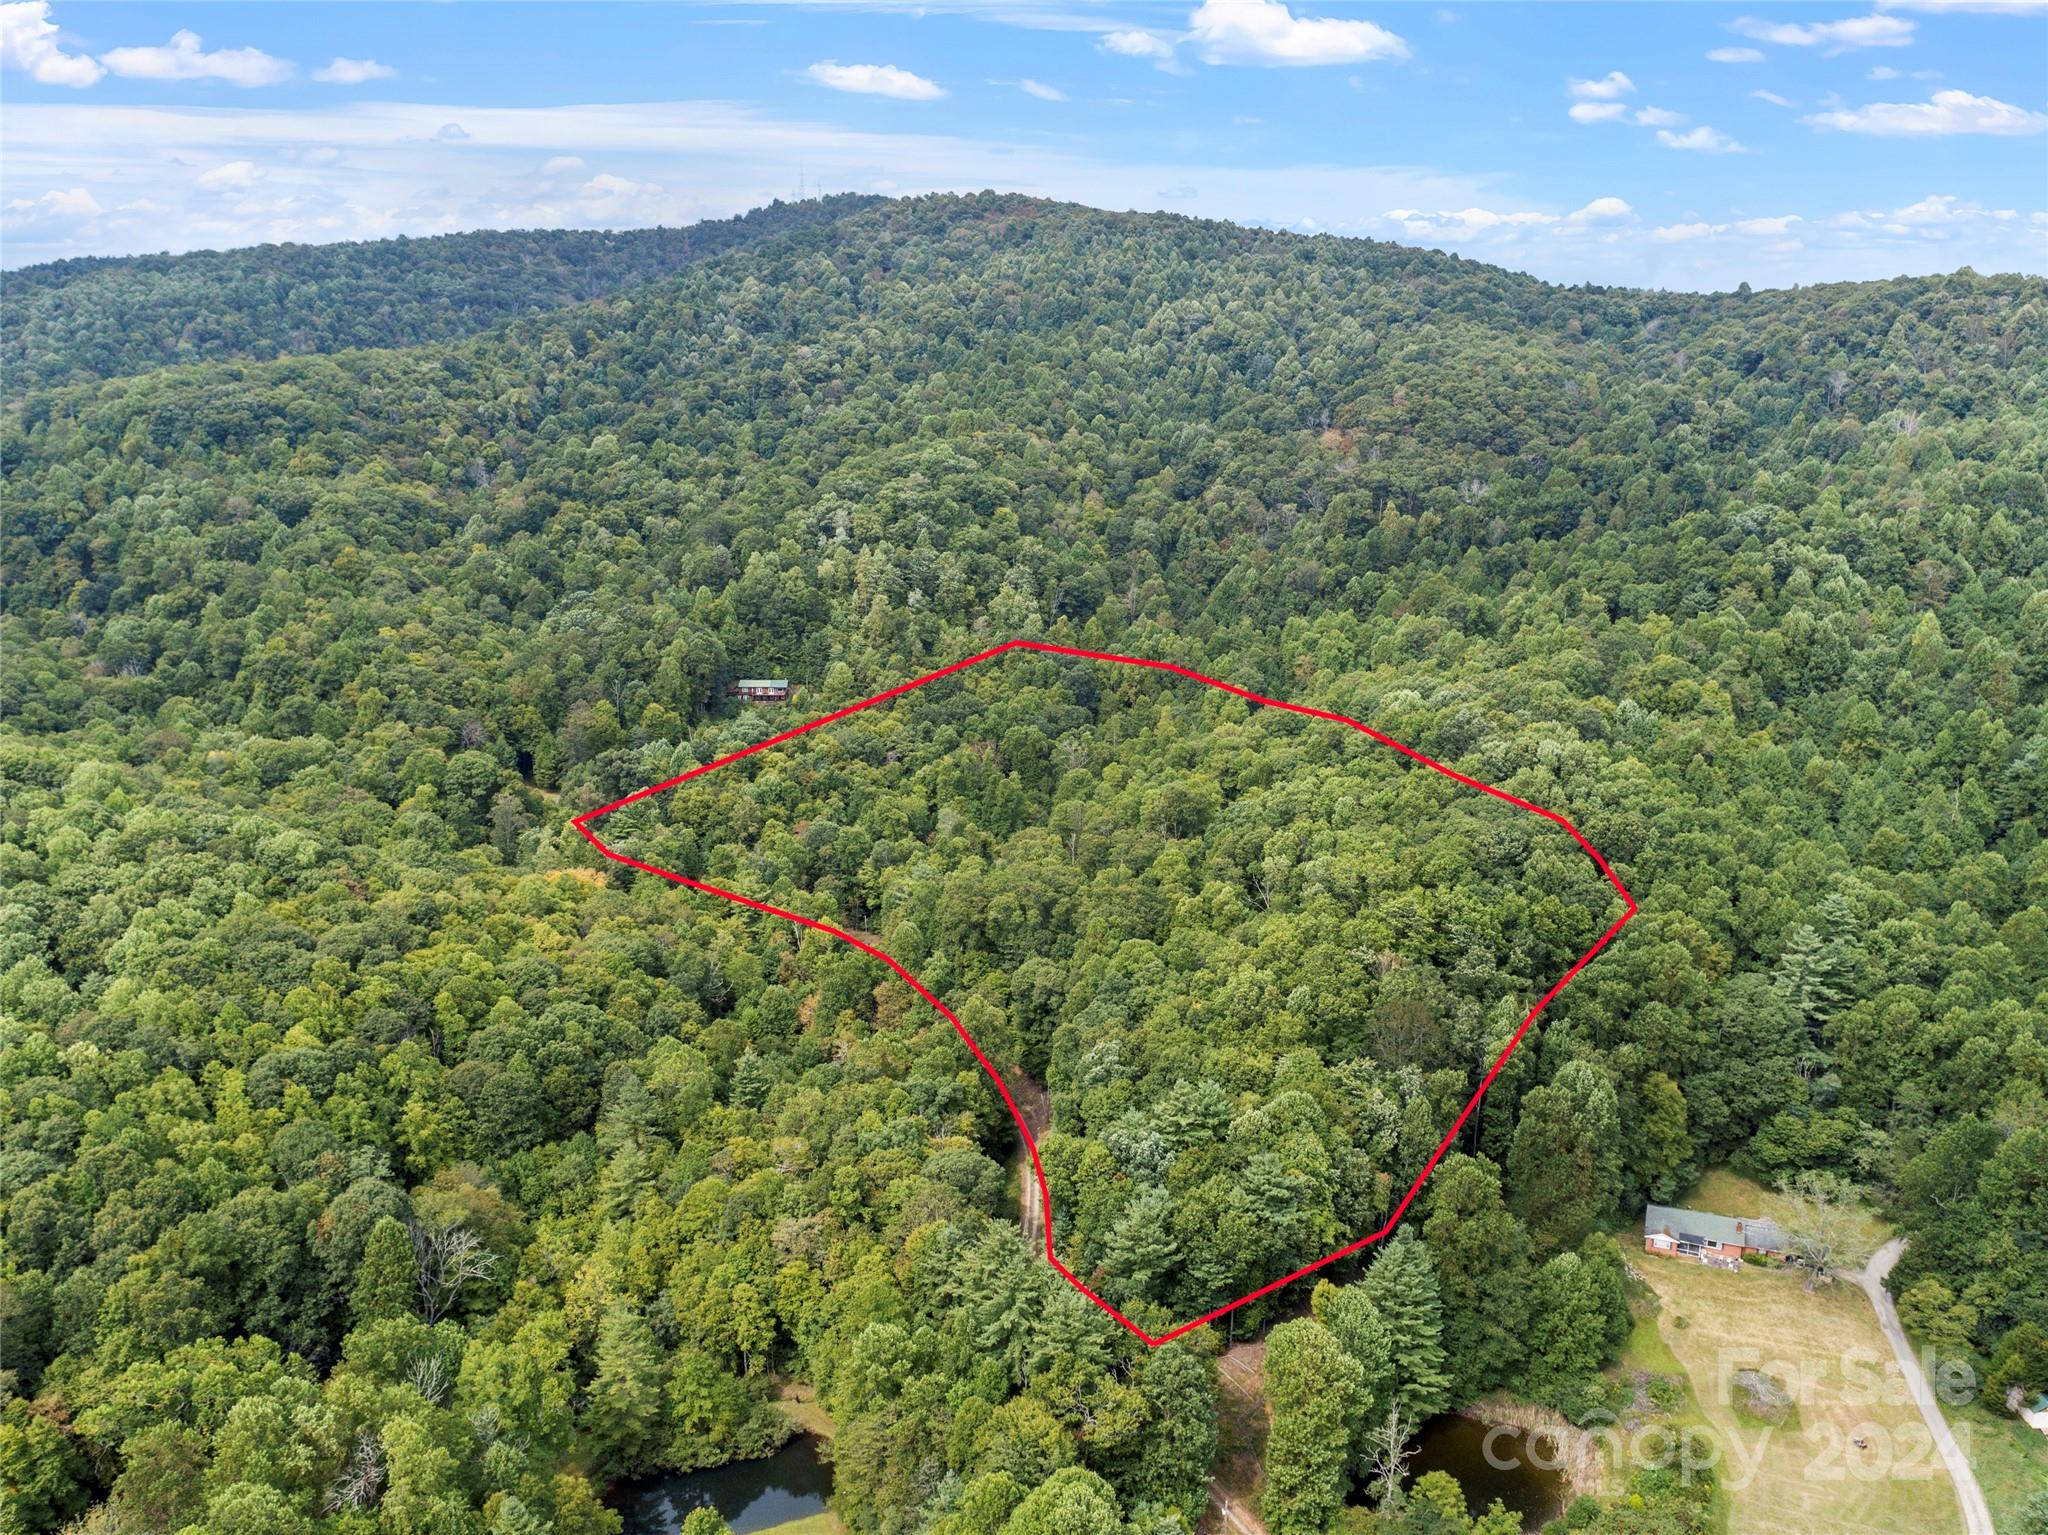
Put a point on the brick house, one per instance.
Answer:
(1720, 1240)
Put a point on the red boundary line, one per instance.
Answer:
(582, 824)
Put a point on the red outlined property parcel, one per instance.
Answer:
(582, 823)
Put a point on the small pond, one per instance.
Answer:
(749, 1494)
(1504, 1463)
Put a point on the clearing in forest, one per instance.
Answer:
(1356, 925)
(1851, 1455)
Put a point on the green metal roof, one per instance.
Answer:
(1700, 1226)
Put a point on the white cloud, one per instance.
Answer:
(1609, 87)
(1601, 210)
(450, 133)
(875, 80)
(73, 202)
(235, 174)
(29, 43)
(182, 58)
(1774, 228)
(1736, 55)
(1133, 44)
(605, 196)
(1041, 90)
(1947, 112)
(1266, 32)
(1599, 102)
(1882, 72)
(1706, 140)
(340, 71)
(1932, 209)
(562, 164)
(1462, 221)
(1936, 217)
(1467, 222)
(692, 160)
(1834, 36)
(710, 159)
(1773, 98)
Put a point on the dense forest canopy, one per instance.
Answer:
(1174, 911)
(99, 316)
(375, 1157)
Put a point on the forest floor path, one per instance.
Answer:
(1241, 1416)
(1976, 1512)
(1035, 1104)
(1242, 1422)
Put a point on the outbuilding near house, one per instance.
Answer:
(1720, 1240)
(2036, 1416)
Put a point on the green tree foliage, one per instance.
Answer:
(623, 1416)
(386, 1283)
(1402, 1287)
(98, 317)
(1574, 1305)
(313, 651)
(1566, 1159)
(1481, 1255)
(41, 1472)
(1312, 1386)
(1069, 1502)
(705, 1521)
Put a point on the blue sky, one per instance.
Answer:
(1674, 145)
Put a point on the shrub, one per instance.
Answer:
(1761, 1396)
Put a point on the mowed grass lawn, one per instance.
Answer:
(826, 1523)
(1647, 1351)
(1721, 1192)
(1806, 1474)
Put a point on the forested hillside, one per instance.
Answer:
(99, 317)
(378, 1158)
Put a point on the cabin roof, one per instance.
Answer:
(1698, 1226)
(762, 682)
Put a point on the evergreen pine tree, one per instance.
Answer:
(1567, 1334)
(752, 1079)
(1140, 1249)
(513, 1517)
(387, 1280)
(1808, 973)
(1402, 1287)
(624, 1417)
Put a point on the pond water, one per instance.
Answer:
(750, 1494)
(1494, 1463)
